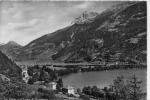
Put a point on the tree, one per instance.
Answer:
(53, 75)
(46, 94)
(94, 91)
(58, 87)
(85, 97)
(44, 76)
(16, 90)
(105, 89)
(36, 67)
(30, 81)
(35, 76)
(120, 88)
(46, 81)
(135, 88)
(89, 90)
(60, 82)
(88, 58)
(30, 71)
(84, 90)
(44, 68)
(129, 90)
(78, 90)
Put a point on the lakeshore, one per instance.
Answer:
(103, 78)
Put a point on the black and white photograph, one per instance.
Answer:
(73, 50)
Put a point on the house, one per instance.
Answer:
(51, 85)
(68, 90)
(25, 75)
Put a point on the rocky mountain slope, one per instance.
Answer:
(117, 34)
(86, 17)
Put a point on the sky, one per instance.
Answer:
(24, 21)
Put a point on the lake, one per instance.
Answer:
(104, 78)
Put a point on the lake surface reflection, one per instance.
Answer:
(104, 78)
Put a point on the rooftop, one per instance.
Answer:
(52, 83)
(68, 87)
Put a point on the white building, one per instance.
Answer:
(51, 85)
(25, 75)
(68, 89)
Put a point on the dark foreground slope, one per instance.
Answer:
(9, 68)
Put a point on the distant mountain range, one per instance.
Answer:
(117, 34)
(10, 48)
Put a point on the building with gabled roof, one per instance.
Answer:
(68, 90)
(51, 85)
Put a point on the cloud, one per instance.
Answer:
(19, 32)
(20, 26)
(26, 21)
(23, 26)
(24, 13)
(19, 10)
(84, 5)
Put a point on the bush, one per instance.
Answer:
(85, 97)
(45, 93)
(70, 95)
(30, 81)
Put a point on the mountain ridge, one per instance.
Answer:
(119, 34)
(13, 43)
(9, 48)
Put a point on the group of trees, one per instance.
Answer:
(46, 94)
(41, 74)
(93, 91)
(47, 74)
(13, 89)
(129, 90)
(120, 90)
(19, 91)
(67, 71)
(59, 84)
(112, 67)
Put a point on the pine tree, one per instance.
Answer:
(60, 82)
(135, 88)
(120, 88)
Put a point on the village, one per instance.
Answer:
(67, 92)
